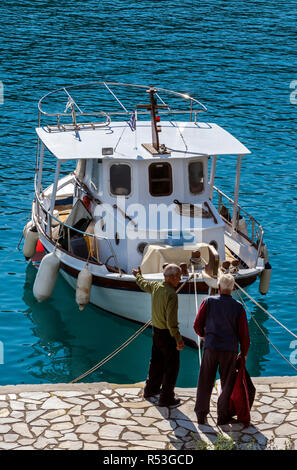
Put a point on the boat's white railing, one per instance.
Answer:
(47, 227)
(76, 111)
(250, 229)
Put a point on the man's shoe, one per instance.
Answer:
(150, 396)
(201, 419)
(221, 421)
(174, 403)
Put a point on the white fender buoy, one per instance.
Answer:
(27, 227)
(31, 240)
(265, 279)
(83, 288)
(265, 254)
(46, 277)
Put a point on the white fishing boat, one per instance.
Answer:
(140, 193)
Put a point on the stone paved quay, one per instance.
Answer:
(115, 417)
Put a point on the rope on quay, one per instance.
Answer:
(124, 345)
(253, 317)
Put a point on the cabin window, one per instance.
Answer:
(120, 179)
(160, 178)
(196, 180)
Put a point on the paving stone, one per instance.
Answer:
(26, 442)
(11, 437)
(8, 445)
(75, 411)
(108, 403)
(35, 395)
(280, 443)
(106, 391)
(43, 442)
(4, 404)
(140, 404)
(275, 418)
(68, 393)
(93, 412)
(22, 429)
(37, 430)
(54, 403)
(154, 445)
(61, 419)
(17, 414)
(4, 412)
(12, 396)
(110, 431)
(92, 406)
(4, 429)
(71, 445)
(88, 446)
(61, 426)
(255, 417)
(262, 388)
(40, 422)
(131, 436)
(153, 412)
(266, 400)
(144, 421)
(165, 425)
(121, 422)
(17, 405)
(8, 420)
(132, 391)
(53, 414)
(69, 436)
(50, 434)
(285, 430)
(121, 413)
(2, 397)
(266, 409)
(144, 430)
(88, 437)
(77, 420)
(75, 401)
(88, 428)
(283, 403)
(98, 419)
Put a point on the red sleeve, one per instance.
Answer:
(243, 333)
(199, 322)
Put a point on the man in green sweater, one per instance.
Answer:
(167, 341)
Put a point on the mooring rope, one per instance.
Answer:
(124, 345)
(264, 310)
(263, 332)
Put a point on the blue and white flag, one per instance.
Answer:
(132, 122)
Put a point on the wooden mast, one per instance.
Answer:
(153, 107)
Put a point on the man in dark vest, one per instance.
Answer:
(167, 340)
(222, 322)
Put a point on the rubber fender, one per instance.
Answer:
(46, 277)
(83, 288)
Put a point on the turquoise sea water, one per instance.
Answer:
(239, 59)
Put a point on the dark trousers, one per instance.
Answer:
(164, 365)
(211, 360)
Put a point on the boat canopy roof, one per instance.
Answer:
(181, 139)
